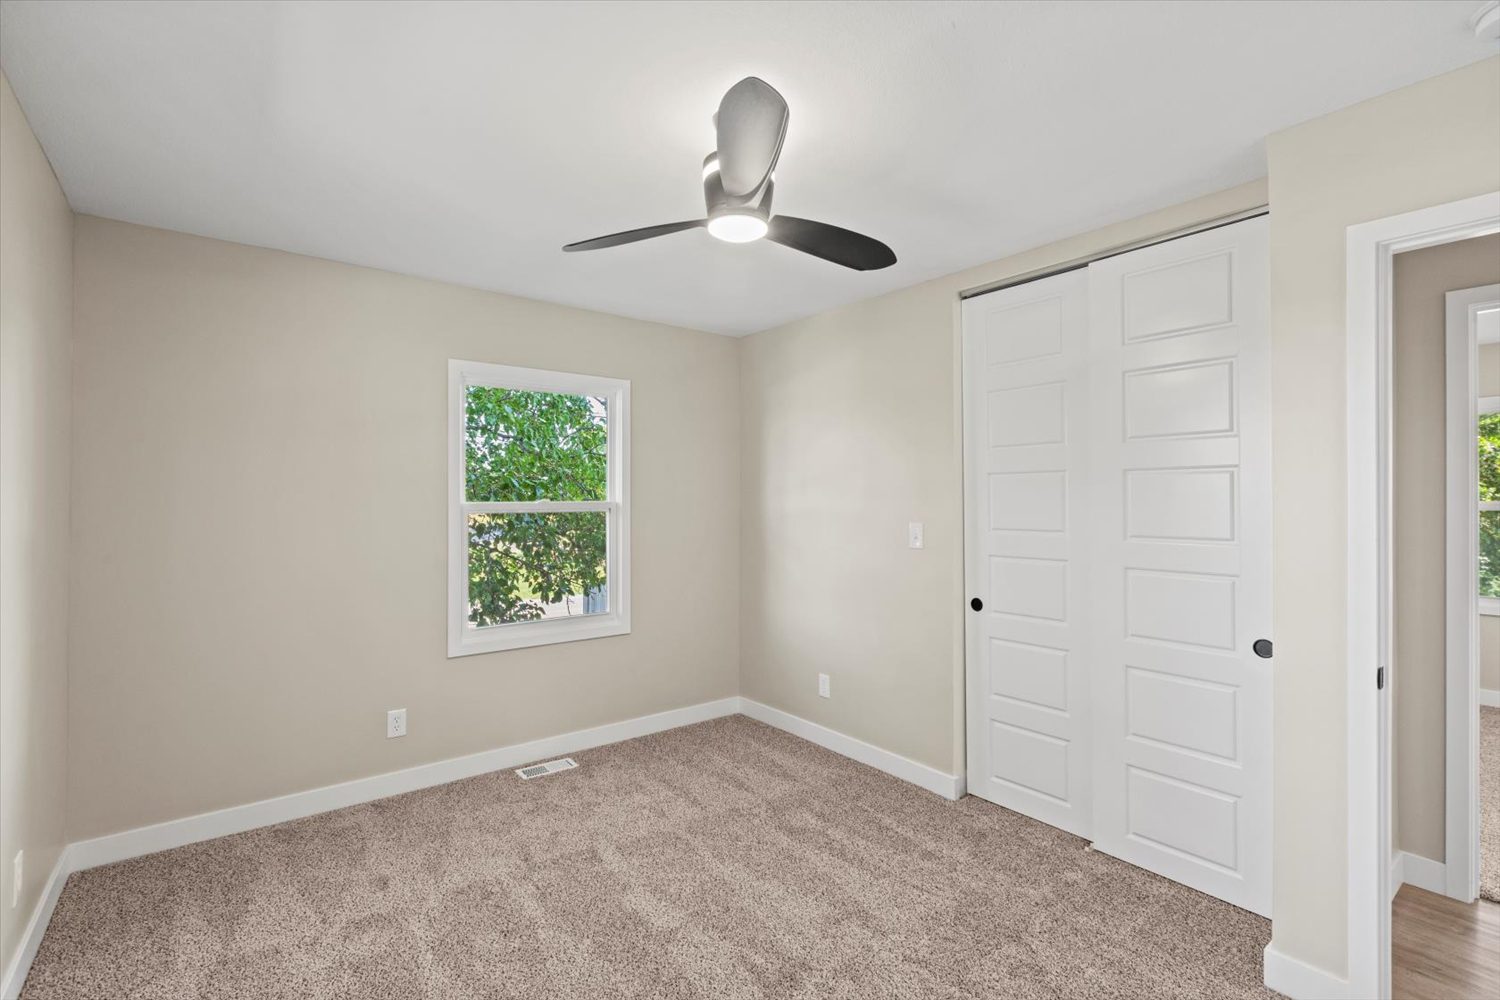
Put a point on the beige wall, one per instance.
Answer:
(1419, 684)
(260, 507)
(36, 328)
(851, 429)
(1430, 143)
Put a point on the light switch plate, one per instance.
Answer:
(914, 535)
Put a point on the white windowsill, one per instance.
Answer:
(539, 633)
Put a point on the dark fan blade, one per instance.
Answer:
(751, 125)
(633, 236)
(831, 243)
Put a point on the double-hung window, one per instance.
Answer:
(1489, 505)
(539, 518)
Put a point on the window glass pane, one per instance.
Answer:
(521, 446)
(1489, 553)
(529, 567)
(1489, 457)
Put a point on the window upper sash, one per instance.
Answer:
(537, 506)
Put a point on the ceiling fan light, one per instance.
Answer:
(737, 227)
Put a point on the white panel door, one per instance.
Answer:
(1180, 561)
(1025, 436)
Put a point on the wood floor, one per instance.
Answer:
(1442, 949)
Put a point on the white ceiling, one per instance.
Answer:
(468, 142)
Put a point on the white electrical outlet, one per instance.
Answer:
(395, 723)
(823, 688)
(15, 879)
(914, 535)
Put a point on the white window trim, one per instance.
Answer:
(1488, 404)
(465, 641)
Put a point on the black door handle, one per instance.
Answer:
(1262, 648)
(977, 604)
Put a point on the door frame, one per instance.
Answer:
(1370, 251)
(1461, 697)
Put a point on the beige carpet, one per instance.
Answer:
(1489, 803)
(726, 859)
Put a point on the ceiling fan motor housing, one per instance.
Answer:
(757, 202)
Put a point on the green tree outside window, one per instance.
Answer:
(522, 446)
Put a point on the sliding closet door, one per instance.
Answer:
(1180, 561)
(1025, 431)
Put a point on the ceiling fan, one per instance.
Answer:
(738, 180)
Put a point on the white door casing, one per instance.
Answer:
(1025, 420)
(1180, 561)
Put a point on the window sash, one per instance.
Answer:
(611, 563)
(539, 507)
(531, 380)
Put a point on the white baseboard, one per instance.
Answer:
(949, 786)
(1299, 980)
(1424, 873)
(237, 819)
(1488, 698)
(31, 937)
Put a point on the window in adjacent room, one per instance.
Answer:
(539, 514)
(1489, 505)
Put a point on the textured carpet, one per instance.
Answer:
(1489, 803)
(722, 860)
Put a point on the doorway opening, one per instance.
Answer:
(1406, 558)
(1446, 570)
